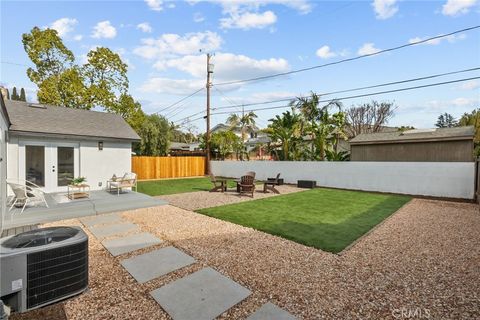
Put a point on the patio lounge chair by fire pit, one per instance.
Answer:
(218, 184)
(246, 185)
(270, 185)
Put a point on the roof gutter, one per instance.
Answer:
(458, 138)
(69, 136)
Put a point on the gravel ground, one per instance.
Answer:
(424, 259)
(204, 199)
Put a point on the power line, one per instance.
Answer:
(359, 96)
(183, 99)
(356, 89)
(348, 59)
(14, 63)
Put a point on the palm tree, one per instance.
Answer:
(286, 130)
(244, 122)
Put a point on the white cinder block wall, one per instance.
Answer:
(437, 179)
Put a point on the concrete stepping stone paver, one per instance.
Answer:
(157, 263)
(269, 311)
(109, 230)
(102, 219)
(130, 243)
(202, 295)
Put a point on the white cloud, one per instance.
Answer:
(457, 7)
(198, 17)
(104, 29)
(452, 38)
(64, 26)
(325, 53)
(171, 86)
(228, 66)
(78, 37)
(367, 48)
(173, 44)
(248, 20)
(145, 27)
(156, 5)
(302, 6)
(470, 85)
(460, 102)
(385, 9)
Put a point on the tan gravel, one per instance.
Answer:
(424, 259)
(204, 199)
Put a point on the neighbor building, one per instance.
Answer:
(429, 145)
(50, 145)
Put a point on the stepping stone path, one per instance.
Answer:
(269, 311)
(157, 263)
(130, 243)
(102, 219)
(109, 230)
(202, 295)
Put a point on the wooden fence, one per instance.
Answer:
(168, 167)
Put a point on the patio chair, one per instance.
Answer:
(26, 194)
(246, 185)
(270, 185)
(129, 180)
(218, 184)
(250, 173)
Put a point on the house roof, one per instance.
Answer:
(416, 135)
(37, 119)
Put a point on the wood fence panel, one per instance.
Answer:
(168, 167)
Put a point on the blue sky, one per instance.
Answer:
(160, 41)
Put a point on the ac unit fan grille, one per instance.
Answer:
(56, 273)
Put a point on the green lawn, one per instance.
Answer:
(171, 186)
(326, 219)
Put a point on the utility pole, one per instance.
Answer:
(207, 138)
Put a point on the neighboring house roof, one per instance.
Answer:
(416, 135)
(28, 118)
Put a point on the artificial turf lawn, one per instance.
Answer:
(172, 186)
(326, 219)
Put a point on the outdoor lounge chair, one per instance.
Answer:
(129, 180)
(250, 173)
(26, 194)
(218, 184)
(270, 185)
(246, 185)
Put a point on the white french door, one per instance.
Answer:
(48, 165)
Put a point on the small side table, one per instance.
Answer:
(78, 191)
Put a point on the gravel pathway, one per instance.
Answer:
(424, 259)
(204, 199)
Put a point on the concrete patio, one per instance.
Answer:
(60, 207)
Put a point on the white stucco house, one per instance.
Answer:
(50, 145)
(4, 125)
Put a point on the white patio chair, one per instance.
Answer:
(27, 194)
(129, 180)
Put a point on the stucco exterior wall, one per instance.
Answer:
(96, 165)
(3, 168)
(437, 179)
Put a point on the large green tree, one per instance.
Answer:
(23, 96)
(15, 95)
(286, 130)
(155, 135)
(101, 82)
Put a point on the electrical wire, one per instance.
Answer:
(348, 59)
(358, 96)
(182, 99)
(356, 89)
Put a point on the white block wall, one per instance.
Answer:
(437, 179)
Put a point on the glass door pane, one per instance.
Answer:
(65, 165)
(35, 165)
